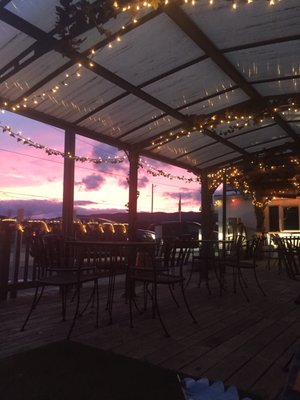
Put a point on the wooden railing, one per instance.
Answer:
(16, 264)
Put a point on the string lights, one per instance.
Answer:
(113, 160)
(150, 169)
(230, 122)
(29, 142)
(235, 177)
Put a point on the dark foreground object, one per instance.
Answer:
(68, 370)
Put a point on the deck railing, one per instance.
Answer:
(16, 263)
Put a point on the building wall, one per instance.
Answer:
(242, 210)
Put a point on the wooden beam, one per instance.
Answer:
(68, 186)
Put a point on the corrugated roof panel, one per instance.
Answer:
(241, 131)
(40, 13)
(268, 145)
(177, 71)
(196, 140)
(221, 161)
(265, 62)
(135, 57)
(249, 23)
(216, 150)
(81, 96)
(122, 116)
(189, 84)
(181, 149)
(295, 126)
(190, 143)
(292, 113)
(34, 11)
(12, 42)
(279, 87)
(216, 103)
(25, 79)
(256, 137)
(151, 130)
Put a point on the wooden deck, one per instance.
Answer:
(246, 344)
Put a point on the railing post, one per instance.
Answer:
(5, 247)
(17, 255)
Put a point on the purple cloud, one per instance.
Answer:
(92, 182)
(123, 183)
(143, 182)
(83, 203)
(189, 197)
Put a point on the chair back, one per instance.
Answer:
(53, 251)
(252, 248)
(177, 255)
(290, 256)
(233, 249)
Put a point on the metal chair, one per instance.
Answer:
(290, 255)
(243, 257)
(109, 261)
(153, 273)
(65, 271)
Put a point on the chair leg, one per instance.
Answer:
(96, 287)
(34, 303)
(91, 300)
(63, 290)
(191, 273)
(234, 276)
(130, 309)
(220, 275)
(110, 294)
(76, 313)
(207, 280)
(173, 297)
(286, 367)
(240, 279)
(258, 284)
(187, 304)
(157, 311)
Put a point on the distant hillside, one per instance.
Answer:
(145, 219)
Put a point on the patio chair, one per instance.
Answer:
(109, 261)
(55, 269)
(290, 255)
(154, 272)
(241, 258)
(204, 260)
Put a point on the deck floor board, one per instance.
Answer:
(242, 343)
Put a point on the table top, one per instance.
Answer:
(126, 243)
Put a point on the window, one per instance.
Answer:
(273, 218)
(290, 218)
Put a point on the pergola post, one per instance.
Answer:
(224, 207)
(133, 158)
(207, 215)
(68, 185)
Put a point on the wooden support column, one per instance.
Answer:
(133, 194)
(68, 186)
(207, 215)
(224, 208)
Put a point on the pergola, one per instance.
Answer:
(208, 86)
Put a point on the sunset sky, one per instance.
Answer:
(32, 180)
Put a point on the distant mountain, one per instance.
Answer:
(145, 218)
